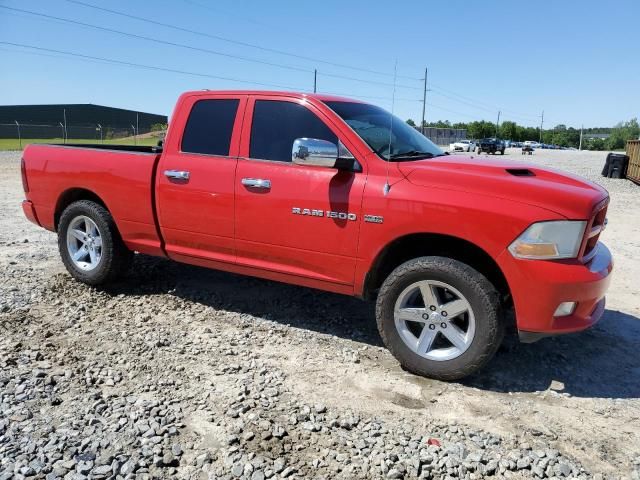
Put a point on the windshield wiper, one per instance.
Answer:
(410, 154)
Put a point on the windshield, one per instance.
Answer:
(388, 136)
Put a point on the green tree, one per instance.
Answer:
(622, 132)
(594, 144)
(411, 122)
(481, 129)
(508, 130)
(159, 127)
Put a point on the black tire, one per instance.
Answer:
(478, 291)
(502, 152)
(115, 256)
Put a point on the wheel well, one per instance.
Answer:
(429, 244)
(73, 195)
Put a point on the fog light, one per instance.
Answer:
(564, 309)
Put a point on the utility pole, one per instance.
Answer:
(497, 123)
(64, 114)
(19, 136)
(541, 123)
(100, 128)
(581, 129)
(424, 100)
(315, 80)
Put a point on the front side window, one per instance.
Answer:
(210, 126)
(387, 135)
(277, 124)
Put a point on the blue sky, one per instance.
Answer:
(576, 60)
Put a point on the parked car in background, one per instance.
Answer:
(462, 146)
(527, 150)
(491, 145)
(531, 143)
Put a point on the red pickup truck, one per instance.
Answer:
(339, 195)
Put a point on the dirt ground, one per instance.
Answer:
(577, 394)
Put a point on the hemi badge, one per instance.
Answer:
(373, 218)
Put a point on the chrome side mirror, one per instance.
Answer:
(314, 152)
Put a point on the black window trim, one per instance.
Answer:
(293, 100)
(233, 127)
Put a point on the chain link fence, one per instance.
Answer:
(14, 136)
(443, 136)
(17, 135)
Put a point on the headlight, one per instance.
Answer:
(549, 240)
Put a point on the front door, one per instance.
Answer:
(297, 220)
(195, 180)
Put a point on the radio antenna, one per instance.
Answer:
(387, 186)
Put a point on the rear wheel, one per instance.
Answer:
(439, 317)
(90, 245)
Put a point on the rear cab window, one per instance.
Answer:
(275, 126)
(209, 127)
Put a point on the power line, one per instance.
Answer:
(236, 42)
(438, 107)
(148, 67)
(373, 82)
(199, 49)
(372, 97)
(81, 57)
(434, 91)
(172, 70)
(467, 100)
(489, 107)
(156, 40)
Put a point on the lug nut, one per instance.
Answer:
(443, 325)
(444, 314)
(432, 327)
(432, 308)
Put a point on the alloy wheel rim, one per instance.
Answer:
(84, 243)
(434, 320)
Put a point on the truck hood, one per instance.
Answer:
(565, 194)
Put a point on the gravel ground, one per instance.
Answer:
(182, 372)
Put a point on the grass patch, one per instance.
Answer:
(14, 144)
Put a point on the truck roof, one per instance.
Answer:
(323, 97)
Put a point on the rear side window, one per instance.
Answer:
(277, 124)
(209, 127)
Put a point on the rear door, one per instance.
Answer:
(298, 220)
(195, 178)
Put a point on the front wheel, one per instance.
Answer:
(90, 245)
(439, 317)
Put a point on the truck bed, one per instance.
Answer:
(120, 176)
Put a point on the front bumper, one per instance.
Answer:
(539, 286)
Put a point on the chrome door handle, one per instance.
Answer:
(256, 183)
(177, 174)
